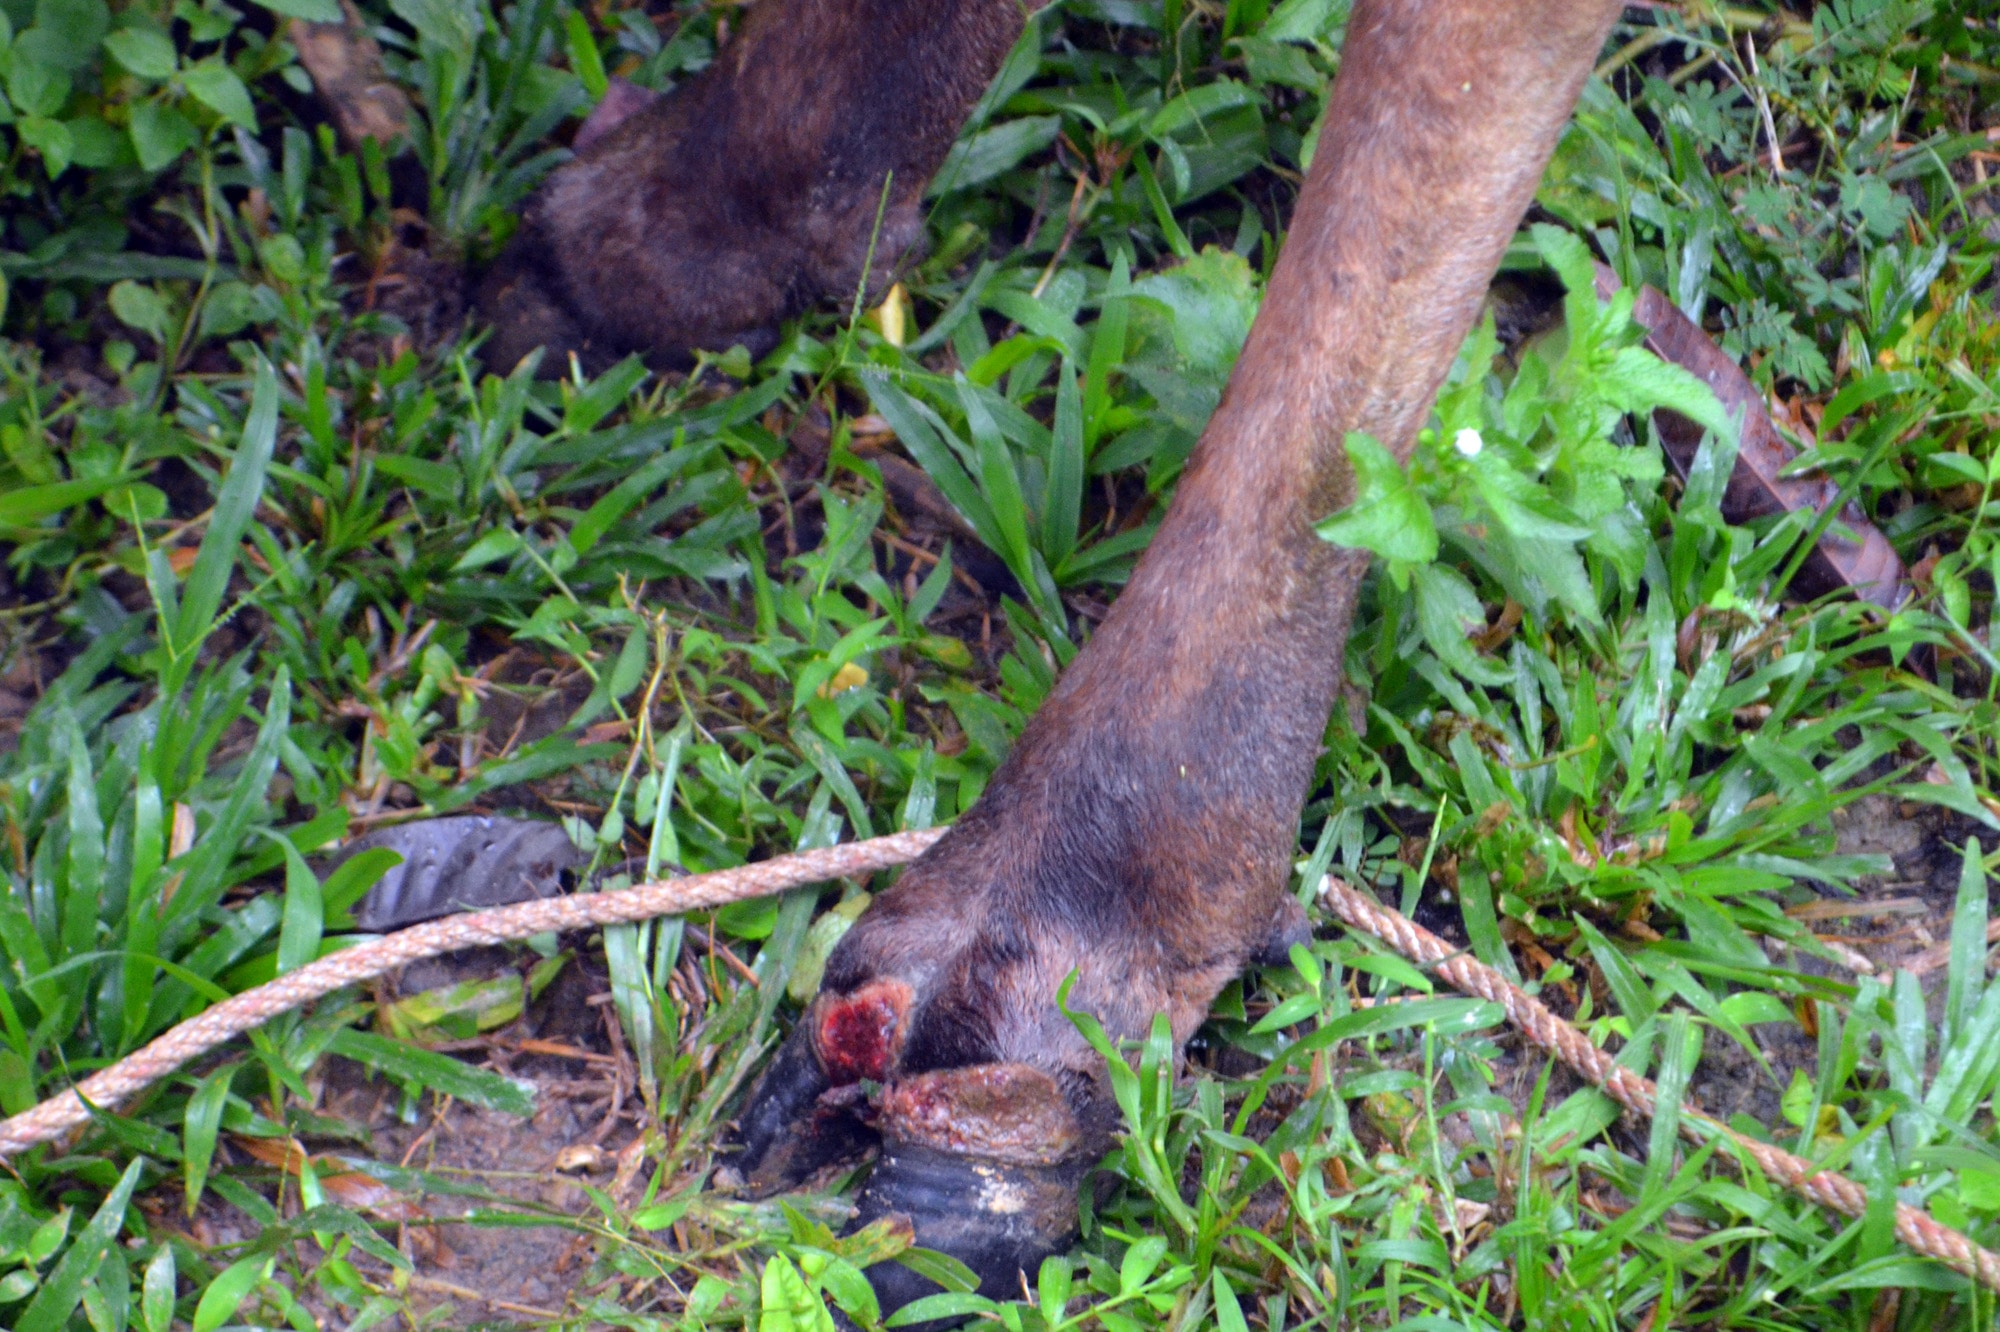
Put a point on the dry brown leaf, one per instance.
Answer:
(1867, 564)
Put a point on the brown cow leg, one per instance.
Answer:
(1138, 837)
(705, 217)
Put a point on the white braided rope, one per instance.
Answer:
(1830, 1190)
(204, 1032)
(199, 1034)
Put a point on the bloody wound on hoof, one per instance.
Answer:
(1139, 836)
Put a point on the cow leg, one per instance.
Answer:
(1139, 836)
(705, 217)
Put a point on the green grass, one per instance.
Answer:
(262, 555)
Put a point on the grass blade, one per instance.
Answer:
(199, 1126)
(305, 915)
(85, 886)
(436, 1072)
(63, 1290)
(26, 505)
(1967, 976)
(201, 599)
(1063, 506)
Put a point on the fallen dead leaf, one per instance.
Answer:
(349, 1188)
(847, 677)
(583, 1158)
(1866, 564)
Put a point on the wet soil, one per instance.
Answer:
(1901, 919)
(467, 1181)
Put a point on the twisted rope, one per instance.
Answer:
(1835, 1192)
(198, 1035)
(202, 1033)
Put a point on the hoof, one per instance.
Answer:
(999, 1218)
(984, 1162)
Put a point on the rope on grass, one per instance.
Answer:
(252, 1008)
(1835, 1192)
(204, 1032)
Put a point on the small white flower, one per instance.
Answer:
(1468, 443)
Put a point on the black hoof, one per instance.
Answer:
(1000, 1220)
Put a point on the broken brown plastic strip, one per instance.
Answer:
(1852, 554)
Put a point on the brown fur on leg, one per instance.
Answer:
(711, 215)
(1139, 836)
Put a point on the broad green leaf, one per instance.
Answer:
(140, 307)
(1680, 1048)
(497, 544)
(160, 135)
(50, 138)
(455, 1012)
(819, 752)
(1895, 1272)
(850, 1290)
(85, 888)
(1213, 299)
(1387, 515)
(312, 11)
(1293, 1010)
(1139, 1263)
(941, 1269)
(1052, 1288)
(588, 530)
(787, 1303)
(147, 52)
(220, 841)
(1966, 976)
(1980, 1189)
(66, 32)
(948, 1304)
(1191, 109)
(1638, 381)
(1062, 503)
(1448, 610)
(1628, 988)
(36, 88)
(584, 407)
(920, 434)
(1107, 350)
(1570, 258)
(1522, 506)
(215, 85)
(48, 1237)
(1001, 484)
(1305, 20)
(1228, 1311)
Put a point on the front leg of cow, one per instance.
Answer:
(706, 217)
(1138, 837)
